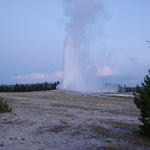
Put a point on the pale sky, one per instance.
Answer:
(32, 34)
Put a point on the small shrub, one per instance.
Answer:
(142, 101)
(4, 106)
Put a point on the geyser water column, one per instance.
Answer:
(74, 76)
(81, 15)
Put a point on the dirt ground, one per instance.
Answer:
(63, 120)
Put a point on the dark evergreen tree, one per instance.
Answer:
(142, 101)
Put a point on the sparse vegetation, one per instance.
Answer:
(29, 87)
(126, 89)
(4, 107)
(62, 117)
(59, 128)
(142, 101)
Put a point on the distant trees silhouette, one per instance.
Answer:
(29, 87)
(126, 89)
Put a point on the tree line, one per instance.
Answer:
(29, 87)
(126, 89)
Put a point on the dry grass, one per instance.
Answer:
(130, 137)
(73, 106)
(66, 114)
(56, 117)
(59, 128)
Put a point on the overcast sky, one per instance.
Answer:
(32, 34)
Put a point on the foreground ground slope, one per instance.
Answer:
(63, 120)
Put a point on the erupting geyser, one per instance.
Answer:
(81, 15)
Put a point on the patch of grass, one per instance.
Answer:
(4, 107)
(134, 139)
(59, 128)
(114, 147)
(80, 130)
(122, 125)
(66, 114)
(73, 106)
(102, 131)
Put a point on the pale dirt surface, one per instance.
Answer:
(63, 120)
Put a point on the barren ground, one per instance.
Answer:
(63, 120)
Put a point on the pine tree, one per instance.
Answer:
(142, 101)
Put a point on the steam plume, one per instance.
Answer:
(81, 15)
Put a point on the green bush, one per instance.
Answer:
(4, 106)
(142, 101)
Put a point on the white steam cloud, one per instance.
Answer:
(81, 15)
